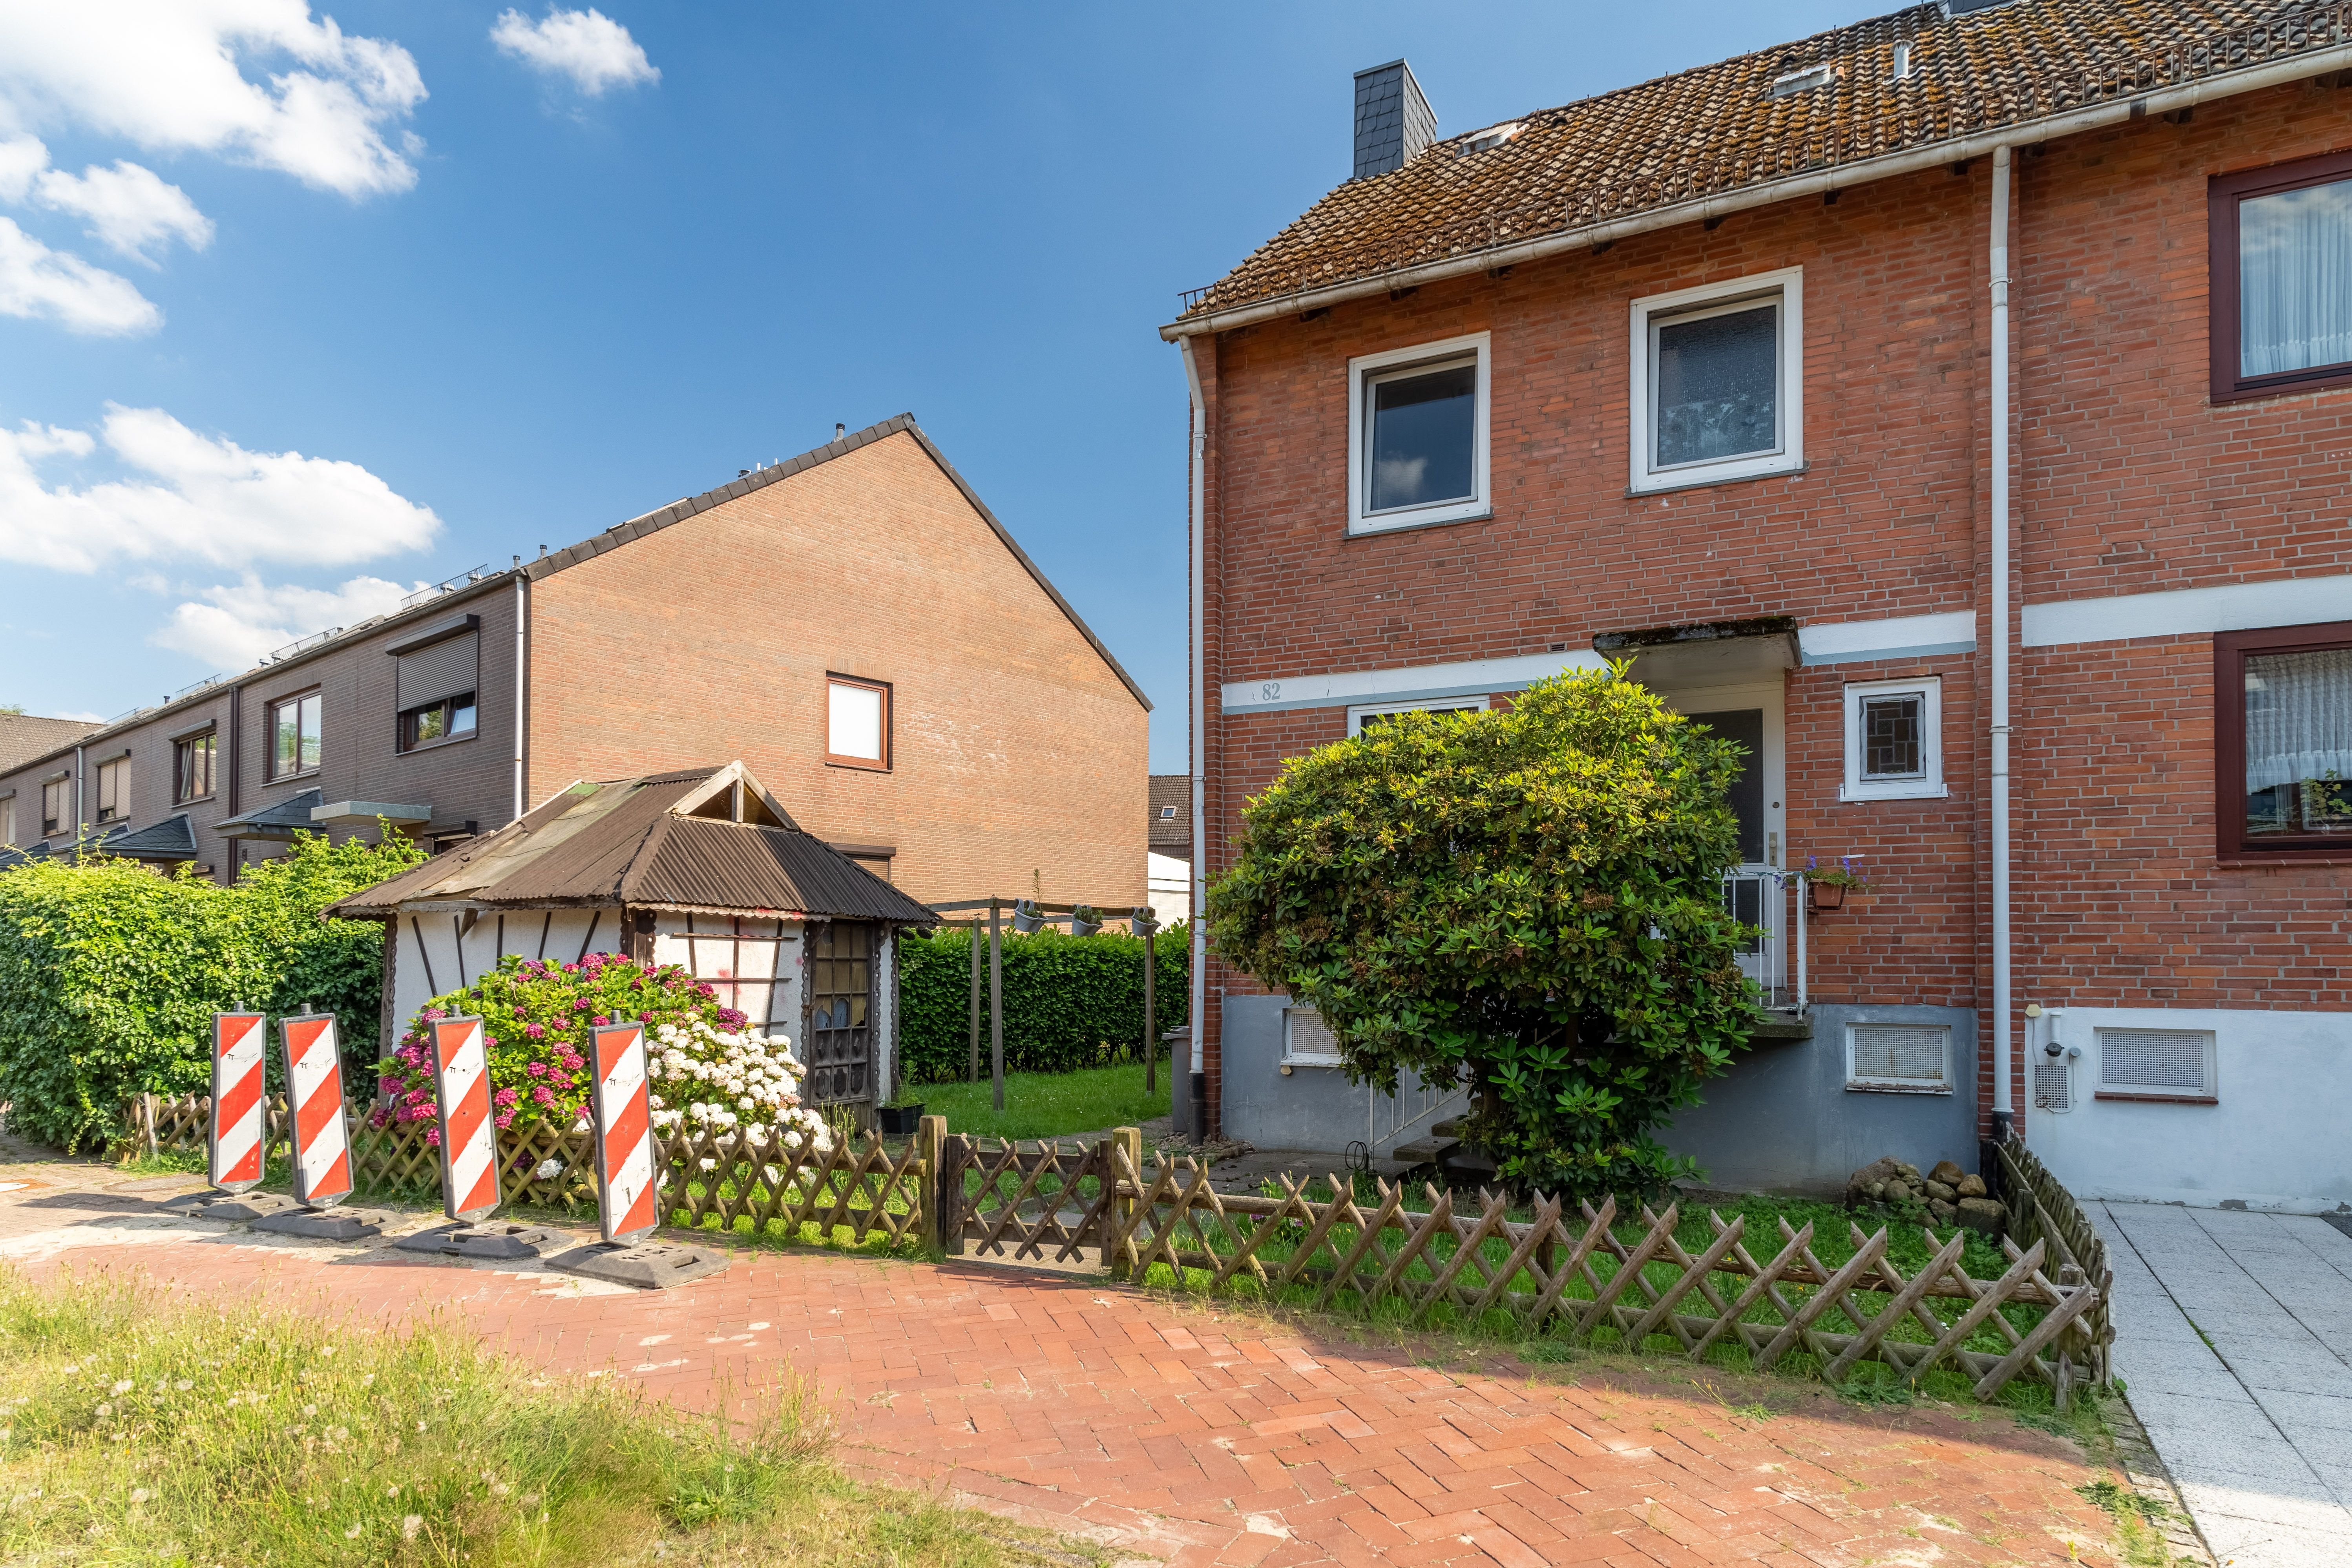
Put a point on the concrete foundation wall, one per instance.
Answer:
(1783, 1120)
(1313, 1108)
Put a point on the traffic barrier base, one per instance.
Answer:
(646, 1265)
(337, 1223)
(233, 1208)
(502, 1239)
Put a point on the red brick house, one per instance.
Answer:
(1979, 374)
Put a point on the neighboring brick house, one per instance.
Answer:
(853, 623)
(1168, 859)
(1712, 372)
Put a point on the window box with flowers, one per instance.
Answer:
(1827, 886)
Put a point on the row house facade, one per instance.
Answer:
(854, 624)
(1974, 379)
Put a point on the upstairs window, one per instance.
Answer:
(2281, 281)
(1417, 436)
(56, 807)
(1718, 384)
(192, 766)
(1893, 740)
(294, 735)
(856, 722)
(2283, 742)
(114, 790)
(445, 720)
(9, 818)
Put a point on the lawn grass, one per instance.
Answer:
(1047, 1104)
(142, 1427)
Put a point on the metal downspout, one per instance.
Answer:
(2004, 1096)
(1199, 1000)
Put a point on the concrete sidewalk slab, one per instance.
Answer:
(2233, 1338)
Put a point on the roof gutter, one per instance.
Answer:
(2163, 100)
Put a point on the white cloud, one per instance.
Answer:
(203, 500)
(592, 49)
(236, 622)
(170, 75)
(22, 158)
(41, 284)
(131, 210)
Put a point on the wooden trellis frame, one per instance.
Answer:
(1178, 1220)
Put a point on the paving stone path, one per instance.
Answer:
(1192, 1434)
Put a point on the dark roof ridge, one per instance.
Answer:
(692, 506)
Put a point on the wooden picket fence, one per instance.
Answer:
(715, 1182)
(1573, 1275)
(2041, 1209)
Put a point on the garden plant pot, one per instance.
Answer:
(1823, 897)
(900, 1119)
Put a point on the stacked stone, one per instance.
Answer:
(1953, 1197)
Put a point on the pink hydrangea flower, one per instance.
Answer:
(599, 1020)
(544, 1095)
(534, 1031)
(506, 1096)
(433, 1137)
(505, 1119)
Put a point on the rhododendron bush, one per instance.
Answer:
(708, 1071)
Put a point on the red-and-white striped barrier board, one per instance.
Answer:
(626, 1197)
(469, 1153)
(240, 1117)
(314, 1087)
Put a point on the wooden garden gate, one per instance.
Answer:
(1050, 1201)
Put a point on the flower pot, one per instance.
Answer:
(1823, 897)
(897, 1121)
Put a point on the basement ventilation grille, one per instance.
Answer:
(2172, 1062)
(1900, 1055)
(2053, 1086)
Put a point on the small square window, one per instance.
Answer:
(294, 735)
(1893, 741)
(2156, 1064)
(1306, 1040)
(1912, 1059)
(1166, 814)
(1417, 436)
(857, 723)
(1718, 382)
(1372, 715)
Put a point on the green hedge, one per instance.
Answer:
(1070, 1001)
(110, 976)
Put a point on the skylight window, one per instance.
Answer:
(1493, 136)
(1790, 83)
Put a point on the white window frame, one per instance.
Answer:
(1930, 786)
(1897, 1084)
(1361, 374)
(1292, 1056)
(1657, 309)
(1478, 701)
(2210, 1094)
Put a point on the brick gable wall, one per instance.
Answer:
(1019, 755)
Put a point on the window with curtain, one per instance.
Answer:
(2284, 740)
(856, 722)
(2281, 278)
(114, 790)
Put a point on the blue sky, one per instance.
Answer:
(295, 316)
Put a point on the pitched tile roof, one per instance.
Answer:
(1172, 815)
(1747, 124)
(25, 736)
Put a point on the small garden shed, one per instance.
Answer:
(700, 867)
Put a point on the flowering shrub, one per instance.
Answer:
(535, 1021)
(710, 1080)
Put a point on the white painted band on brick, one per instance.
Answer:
(1896, 637)
(2189, 612)
(1471, 678)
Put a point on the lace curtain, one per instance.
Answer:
(2294, 280)
(2298, 718)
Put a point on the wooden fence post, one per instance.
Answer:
(930, 1135)
(1127, 1140)
(147, 1115)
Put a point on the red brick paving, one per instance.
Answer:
(1207, 1437)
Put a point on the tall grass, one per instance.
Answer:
(140, 1428)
